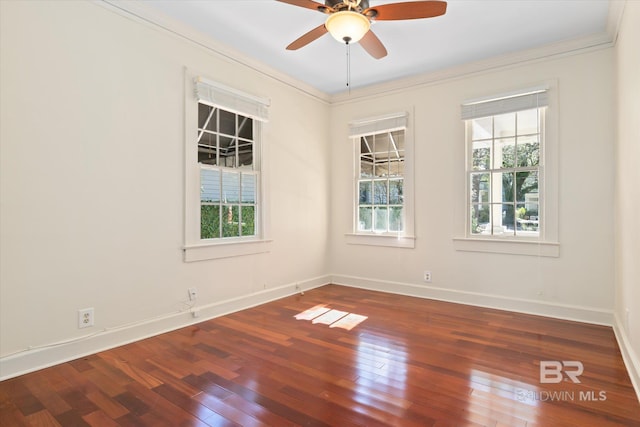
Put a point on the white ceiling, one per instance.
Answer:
(471, 30)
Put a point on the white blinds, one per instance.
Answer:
(372, 126)
(232, 100)
(507, 104)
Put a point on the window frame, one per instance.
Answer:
(378, 125)
(195, 248)
(546, 244)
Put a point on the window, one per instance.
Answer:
(504, 173)
(511, 175)
(229, 174)
(383, 206)
(381, 182)
(224, 214)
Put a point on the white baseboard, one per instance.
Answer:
(629, 356)
(48, 355)
(540, 308)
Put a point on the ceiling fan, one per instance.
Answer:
(349, 21)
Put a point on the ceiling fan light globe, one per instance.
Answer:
(347, 26)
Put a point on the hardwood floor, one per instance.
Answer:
(411, 362)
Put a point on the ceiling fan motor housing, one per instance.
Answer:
(342, 5)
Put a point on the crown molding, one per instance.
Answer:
(143, 14)
(139, 12)
(554, 50)
(614, 18)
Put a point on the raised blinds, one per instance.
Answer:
(509, 103)
(232, 100)
(388, 123)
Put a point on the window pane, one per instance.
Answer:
(245, 154)
(248, 220)
(207, 155)
(397, 140)
(395, 219)
(230, 187)
(480, 219)
(230, 226)
(380, 193)
(503, 187)
(527, 187)
(479, 186)
(382, 167)
(365, 218)
(528, 223)
(209, 221)
(504, 153)
(248, 188)
(395, 191)
(227, 151)
(366, 145)
(528, 122)
(366, 193)
(381, 219)
(528, 151)
(209, 185)
(227, 123)
(245, 127)
(396, 166)
(206, 139)
(480, 155)
(503, 219)
(382, 143)
(482, 128)
(504, 125)
(366, 168)
(207, 117)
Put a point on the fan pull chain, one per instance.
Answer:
(349, 67)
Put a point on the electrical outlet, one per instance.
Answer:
(85, 317)
(427, 276)
(193, 294)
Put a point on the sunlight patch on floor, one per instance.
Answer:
(324, 315)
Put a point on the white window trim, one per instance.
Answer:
(406, 238)
(195, 248)
(547, 244)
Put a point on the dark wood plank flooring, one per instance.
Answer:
(412, 362)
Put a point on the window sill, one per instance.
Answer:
(503, 246)
(388, 240)
(218, 250)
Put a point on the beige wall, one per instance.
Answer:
(627, 176)
(581, 277)
(92, 177)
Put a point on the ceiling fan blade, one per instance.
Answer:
(308, 4)
(372, 44)
(307, 38)
(407, 10)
